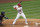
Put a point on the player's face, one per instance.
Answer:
(18, 6)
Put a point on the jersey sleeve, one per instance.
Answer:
(19, 8)
(15, 6)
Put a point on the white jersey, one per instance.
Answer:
(20, 10)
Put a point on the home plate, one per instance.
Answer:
(26, 26)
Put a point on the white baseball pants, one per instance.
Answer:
(18, 15)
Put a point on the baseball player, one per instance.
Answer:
(1, 17)
(18, 7)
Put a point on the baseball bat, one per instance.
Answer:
(20, 1)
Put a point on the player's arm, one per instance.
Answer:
(5, 17)
(14, 7)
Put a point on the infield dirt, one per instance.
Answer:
(21, 23)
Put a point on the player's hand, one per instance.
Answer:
(6, 17)
(14, 7)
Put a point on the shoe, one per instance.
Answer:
(1, 24)
(26, 23)
(13, 23)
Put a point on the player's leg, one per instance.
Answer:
(24, 18)
(18, 15)
(0, 22)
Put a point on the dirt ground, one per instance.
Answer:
(21, 23)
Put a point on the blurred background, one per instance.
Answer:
(31, 8)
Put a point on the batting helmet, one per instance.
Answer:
(19, 4)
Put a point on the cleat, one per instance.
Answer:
(26, 23)
(13, 23)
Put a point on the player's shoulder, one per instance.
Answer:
(21, 7)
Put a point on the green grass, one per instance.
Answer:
(30, 8)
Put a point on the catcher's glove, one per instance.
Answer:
(6, 17)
